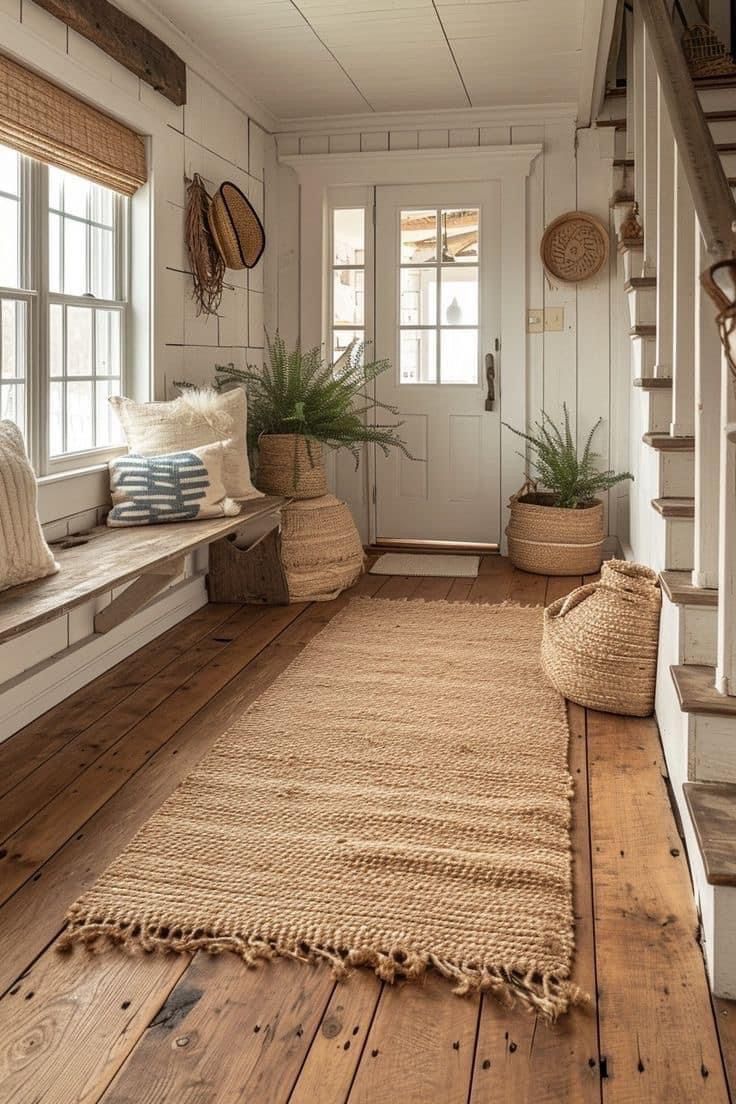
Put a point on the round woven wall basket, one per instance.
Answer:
(599, 644)
(574, 247)
(321, 551)
(547, 540)
(291, 466)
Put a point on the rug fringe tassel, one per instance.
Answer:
(548, 996)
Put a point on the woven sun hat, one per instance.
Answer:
(236, 228)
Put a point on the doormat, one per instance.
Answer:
(417, 563)
(389, 802)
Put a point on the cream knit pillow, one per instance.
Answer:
(24, 554)
(196, 418)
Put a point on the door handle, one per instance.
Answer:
(490, 381)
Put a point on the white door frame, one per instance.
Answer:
(510, 165)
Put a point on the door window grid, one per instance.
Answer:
(63, 313)
(438, 329)
(347, 278)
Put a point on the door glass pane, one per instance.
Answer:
(418, 356)
(341, 340)
(418, 297)
(348, 297)
(78, 343)
(418, 237)
(459, 234)
(79, 420)
(348, 237)
(459, 356)
(459, 300)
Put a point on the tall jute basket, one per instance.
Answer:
(290, 465)
(321, 552)
(599, 644)
(548, 540)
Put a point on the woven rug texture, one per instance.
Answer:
(398, 798)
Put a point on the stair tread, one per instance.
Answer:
(636, 283)
(619, 124)
(622, 199)
(653, 383)
(678, 586)
(630, 243)
(675, 507)
(696, 692)
(713, 82)
(644, 329)
(623, 162)
(712, 807)
(667, 443)
(726, 147)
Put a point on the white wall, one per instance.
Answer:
(221, 140)
(580, 365)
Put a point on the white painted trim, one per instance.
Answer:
(598, 22)
(40, 688)
(521, 114)
(463, 163)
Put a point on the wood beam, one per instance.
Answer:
(125, 41)
(137, 595)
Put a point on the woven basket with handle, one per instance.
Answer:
(599, 644)
(290, 465)
(549, 540)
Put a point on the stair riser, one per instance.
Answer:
(713, 99)
(643, 356)
(722, 130)
(672, 544)
(657, 410)
(623, 179)
(613, 107)
(676, 474)
(621, 211)
(633, 260)
(642, 306)
(728, 160)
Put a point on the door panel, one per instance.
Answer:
(437, 316)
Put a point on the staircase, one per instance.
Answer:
(683, 503)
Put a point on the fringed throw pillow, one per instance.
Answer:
(179, 486)
(24, 554)
(196, 418)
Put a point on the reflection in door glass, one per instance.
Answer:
(418, 296)
(348, 237)
(459, 231)
(459, 356)
(347, 307)
(418, 237)
(418, 356)
(347, 297)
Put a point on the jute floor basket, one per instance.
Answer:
(599, 645)
(547, 540)
(321, 552)
(289, 466)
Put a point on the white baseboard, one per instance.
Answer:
(26, 697)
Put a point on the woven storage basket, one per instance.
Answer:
(599, 645)
(547, 540)
(288, 466)
(321, 552)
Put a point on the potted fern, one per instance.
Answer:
(559, 530)
(297, 404)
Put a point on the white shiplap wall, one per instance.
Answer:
(579, 365)
(215, 137)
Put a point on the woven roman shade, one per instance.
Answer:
(43, 121)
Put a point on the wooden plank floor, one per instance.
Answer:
(77, 784)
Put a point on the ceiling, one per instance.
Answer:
(332, 57)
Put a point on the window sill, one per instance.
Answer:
(71, 473)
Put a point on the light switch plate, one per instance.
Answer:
(554, 318)
(534, 321)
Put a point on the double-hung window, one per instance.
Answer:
(63, 310)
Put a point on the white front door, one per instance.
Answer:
(437, 297)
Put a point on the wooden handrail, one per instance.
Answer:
(709, 187)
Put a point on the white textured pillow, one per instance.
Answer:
(196, 418)
(24, 554)
(179, 486)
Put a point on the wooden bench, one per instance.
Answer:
(148, 557)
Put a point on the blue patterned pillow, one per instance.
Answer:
(180, 486)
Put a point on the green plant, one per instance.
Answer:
(574, 480)
(296, 392)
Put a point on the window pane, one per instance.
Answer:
(459, 356)
(75, 193)
(79, 420)
(348, 237)
(78, 343)
(418, 297)
(347, 297)
(74, 266)
(459, 300)
(9, 171)
(418, 356)
(9, 243)
(101, 263)
(418, 237)
(56, 419)
(12, 339)
(108, 427)
(107, 334)
(56, 340)
(341, 340)
(459, 233)
(12, 404)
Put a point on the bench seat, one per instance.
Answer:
(150, 554)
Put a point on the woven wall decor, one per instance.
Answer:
(705, 54)
(574, 247)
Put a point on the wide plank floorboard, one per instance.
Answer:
(80, 781)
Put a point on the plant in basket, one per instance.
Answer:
(297, 403)
(559, 530)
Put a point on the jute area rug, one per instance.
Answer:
(399, 798)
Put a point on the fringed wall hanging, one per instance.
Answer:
(208, 267)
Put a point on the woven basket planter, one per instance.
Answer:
(547, 540)
(288, 465)
(321, 551)
(599, 645)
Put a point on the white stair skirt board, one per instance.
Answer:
(414, 563)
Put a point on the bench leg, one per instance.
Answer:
(135, 596)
